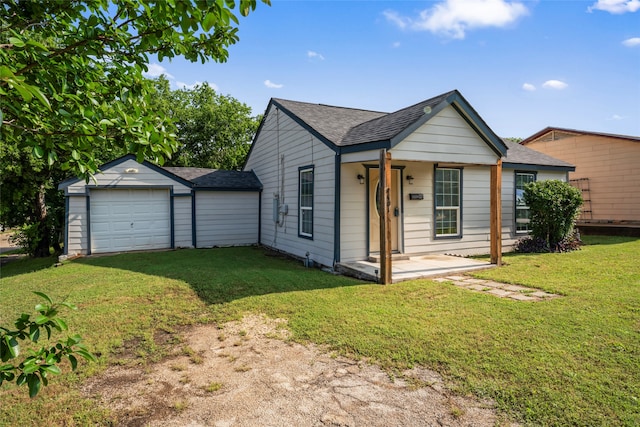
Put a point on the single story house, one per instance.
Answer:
(140, 206)
(310, 188)
(606, 171)
(319, 167)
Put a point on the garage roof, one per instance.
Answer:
(216, 179)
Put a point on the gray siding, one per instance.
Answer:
(226, 218)
(77, 242)
(281, 148)
(445, 138)
(117, 176)
(182, 222)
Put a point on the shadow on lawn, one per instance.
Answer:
(221, 275)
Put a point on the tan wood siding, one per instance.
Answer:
(612, 166)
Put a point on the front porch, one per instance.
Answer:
(415, 267)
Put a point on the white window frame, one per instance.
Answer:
(440, 209)
(305, 209)
(518, 194)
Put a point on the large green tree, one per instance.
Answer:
(73, 91)
(213, 130)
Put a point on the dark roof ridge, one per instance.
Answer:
(319, 104)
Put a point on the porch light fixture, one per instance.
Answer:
(360, 178)
(410, 179)
(131, 170)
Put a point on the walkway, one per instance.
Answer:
(501, 290)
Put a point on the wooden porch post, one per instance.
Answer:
(385, 217)
(496, 213)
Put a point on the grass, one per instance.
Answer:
(573, 360)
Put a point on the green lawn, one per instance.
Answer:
(573, 360)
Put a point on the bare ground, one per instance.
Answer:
(248, 374)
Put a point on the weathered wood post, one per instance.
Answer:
(385, 217)
(496, 213)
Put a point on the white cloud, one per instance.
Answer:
(528, 87)
(396, 45)
(272, 85)
(314, 55)
(632, 42)
(453, 18)
(156, 70)
(554, 84)
(616, 117)
(616, 6)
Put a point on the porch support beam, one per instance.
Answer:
(496, 213)
(385, 217)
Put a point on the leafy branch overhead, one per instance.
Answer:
(34, 369)
(71, 72)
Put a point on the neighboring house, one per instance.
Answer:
(133, 206)
(607, 170)
(319, 168)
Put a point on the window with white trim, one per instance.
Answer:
(523, 214)
(305, 202)
(447, 202)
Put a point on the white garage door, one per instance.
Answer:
(130, 220)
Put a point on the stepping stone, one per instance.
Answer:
(491, 284)
(476, 287)
(441, 279)
(457, 278)
(515, 288)
(522, 297)
(500, 293)
(461, 284)
(475, 281)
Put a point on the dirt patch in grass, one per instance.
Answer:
(247, 373)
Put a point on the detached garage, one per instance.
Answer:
(135, 206)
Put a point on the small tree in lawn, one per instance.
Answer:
(554, 206)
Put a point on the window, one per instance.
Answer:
(305, 202)
(447, 202)
(522, 211)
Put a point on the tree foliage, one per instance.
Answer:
(554, 206)
(34, 368)
(213, 130)
(72, 85)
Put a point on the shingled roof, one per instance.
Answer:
(518, 155)
(215, 179)
(342, 127)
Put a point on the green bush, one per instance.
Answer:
(554, 207)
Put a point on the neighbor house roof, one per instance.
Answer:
(215, 179)
(576, 132)
(521, 157)
(349, 130)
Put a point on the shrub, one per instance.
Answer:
(528, 244)
(554, 207)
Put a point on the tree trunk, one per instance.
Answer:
(41, 250)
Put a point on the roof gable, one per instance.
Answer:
(554, 133)
(73, 180)
(351, 130)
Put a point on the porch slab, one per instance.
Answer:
(413, 268)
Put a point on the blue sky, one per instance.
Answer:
(523, 65)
